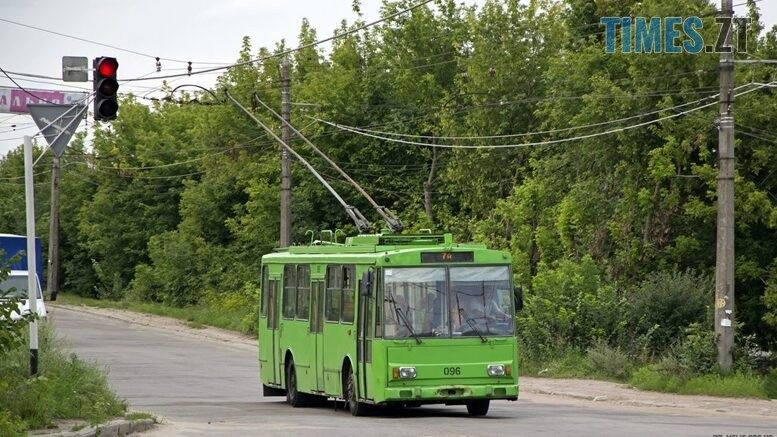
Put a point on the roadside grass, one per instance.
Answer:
(232, 317)
(575, 364)
(731, 385)
(140, 415)
(66, 388)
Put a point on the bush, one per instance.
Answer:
(693, 355)
(770, 384)
(567, 307)
(607, 361)
(11, 426)
(662, 306)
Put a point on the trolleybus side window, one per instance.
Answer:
(289, 290)
(265, 291)
(333, 293)
(347, 294)
(303, 291)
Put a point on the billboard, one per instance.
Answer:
(15, 101)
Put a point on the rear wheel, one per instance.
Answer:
(478, 407)
(293, 396)
(354, 406)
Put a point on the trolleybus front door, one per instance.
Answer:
(316, 328)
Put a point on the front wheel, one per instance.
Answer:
(478, 407)
(354, 406)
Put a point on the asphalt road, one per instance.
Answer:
(202, 386)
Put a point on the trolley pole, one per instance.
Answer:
(285, 238)
(724, 259)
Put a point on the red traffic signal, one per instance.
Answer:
(105, 86)
(107, 67)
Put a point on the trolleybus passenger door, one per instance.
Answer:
(272, 326)
(363, 335)
(316, 325)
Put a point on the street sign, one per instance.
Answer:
(15, 100)
(75, 69)
(59, 132)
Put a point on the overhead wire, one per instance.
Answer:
(286, 52)
(537, 143)
(524, 134)
(105, 45)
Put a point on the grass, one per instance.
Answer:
(234, 317)
(598, 365)
(66, 388)
(732, 385)
(140, 415)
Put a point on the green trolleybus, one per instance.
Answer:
(389, 320)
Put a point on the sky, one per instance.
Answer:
(200, 31)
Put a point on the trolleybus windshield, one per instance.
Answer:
(423, 302)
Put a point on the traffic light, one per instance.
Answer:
(106, 104)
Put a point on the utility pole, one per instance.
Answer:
(724, 259)
(285, 239)
(32, 274)
(53, 270)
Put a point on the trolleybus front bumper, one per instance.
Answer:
(449, 393)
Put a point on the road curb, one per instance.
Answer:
(601, 398)
(113, 428)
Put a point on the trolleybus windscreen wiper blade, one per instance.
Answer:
(402, 317)
(474, 328)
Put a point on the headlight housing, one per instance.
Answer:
(404, 372)
(498, 370)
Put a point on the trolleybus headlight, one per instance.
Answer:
(404, 373)
(497, 370)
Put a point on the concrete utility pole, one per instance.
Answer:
(32, 274)
(53, 270)
(724, 263)
(285, 239)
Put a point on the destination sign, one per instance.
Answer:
(447, 257)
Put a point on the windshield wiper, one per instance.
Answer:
(402, 317)
(474, 328)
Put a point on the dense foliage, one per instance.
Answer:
(613, 236)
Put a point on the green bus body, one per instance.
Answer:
(323, 317)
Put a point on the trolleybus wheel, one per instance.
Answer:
(293, 397)
(354, 406)
(478, 407)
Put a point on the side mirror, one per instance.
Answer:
(518, 295)
(366, 283)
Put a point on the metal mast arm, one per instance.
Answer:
(361, 222)
(392, 220)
